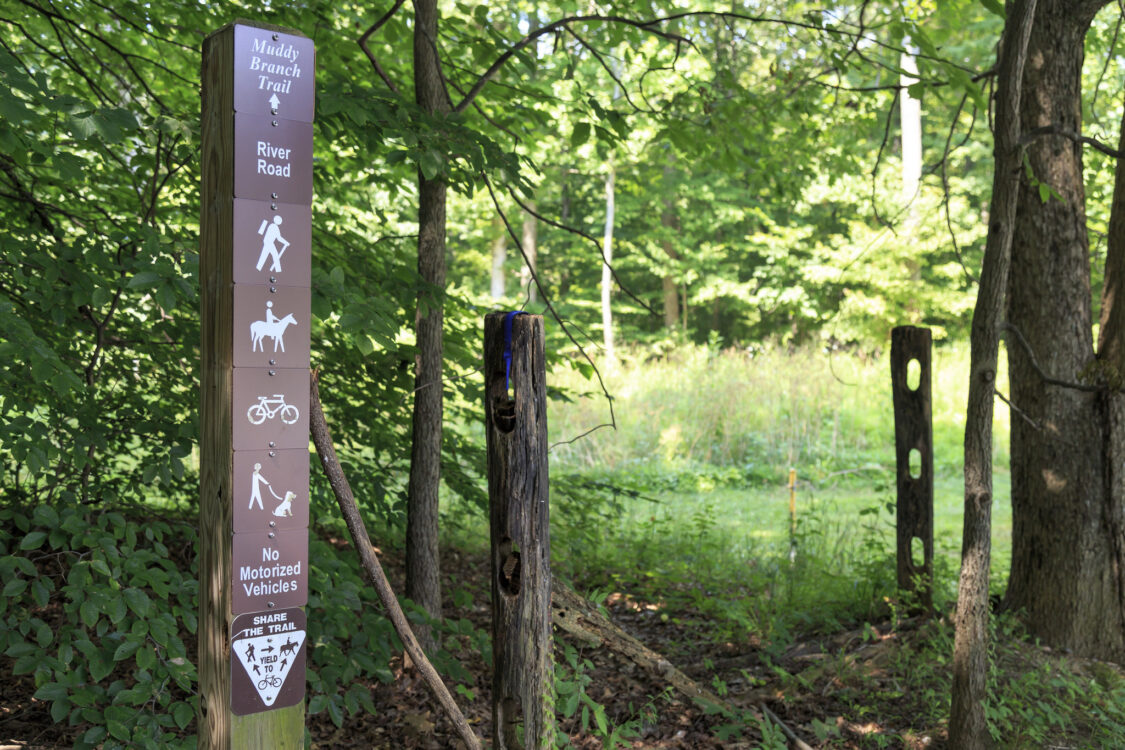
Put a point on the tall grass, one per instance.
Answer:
(757, 412)
(689, 493)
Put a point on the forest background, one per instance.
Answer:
(722, 211)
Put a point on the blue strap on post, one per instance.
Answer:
(508, 346)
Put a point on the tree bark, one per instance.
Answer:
(607, 275)
(670, 224)
(967, 727)
(531, 251)
(1111, 354)
(1065, 548)
(499, 258)
(423, 584)
(910, 116)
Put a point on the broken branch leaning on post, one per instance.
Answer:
(341, 489)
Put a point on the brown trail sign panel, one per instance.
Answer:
(273, 76)
(271, 570)
(271, 409)
(913, 432)
(270, 490)
(268, 662)
(272, 243)
(271, 326)
(255, 272)
(273, 159)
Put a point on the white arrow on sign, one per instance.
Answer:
(274, 101)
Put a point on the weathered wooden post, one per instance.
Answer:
(914, 433)
(255, 257)
(516, 428)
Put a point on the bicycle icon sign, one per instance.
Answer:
(271, 681)
(269, 407)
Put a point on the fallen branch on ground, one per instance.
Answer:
(575, 615)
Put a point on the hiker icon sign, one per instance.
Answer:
(272, 243)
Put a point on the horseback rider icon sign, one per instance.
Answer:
(271, 326)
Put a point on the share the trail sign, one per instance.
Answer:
(255, 271)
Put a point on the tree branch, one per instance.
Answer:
(362, 42)
(547, 301)
(646, 26)
(1036, 133)
(594, 240)
(322, 438)
(1039, 370)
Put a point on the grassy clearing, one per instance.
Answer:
(684, 511)
(699, 466)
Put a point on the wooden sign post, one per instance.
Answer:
(914, 432)
(255, 273)
(516, 429)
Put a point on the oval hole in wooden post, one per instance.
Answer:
(911, 347)
(913, 374)
(516, 436)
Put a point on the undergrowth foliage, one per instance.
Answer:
(95, 608)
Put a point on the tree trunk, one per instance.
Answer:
(967, 726)
(499, 258)
(531, 251)
(607, 276)
(910, 115)
(422, 565)
(669, 222)
(1064, 548)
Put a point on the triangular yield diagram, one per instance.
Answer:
(267, 660)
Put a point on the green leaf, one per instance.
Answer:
(335, 713)
(34, 540)
(117, 730)
(126, 649)
(1044, 192)
(60, 709)
(182, 714)
(15, 587)
(89, 613)
(100, 668)
(580, 134)
(146, 657)
(52, 691)
(94, 735)
(138, 601)
(44, 635)
(101, 566)
(994, 6)
(144, 280)
(431, 164)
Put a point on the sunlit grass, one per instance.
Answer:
(704, 444)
